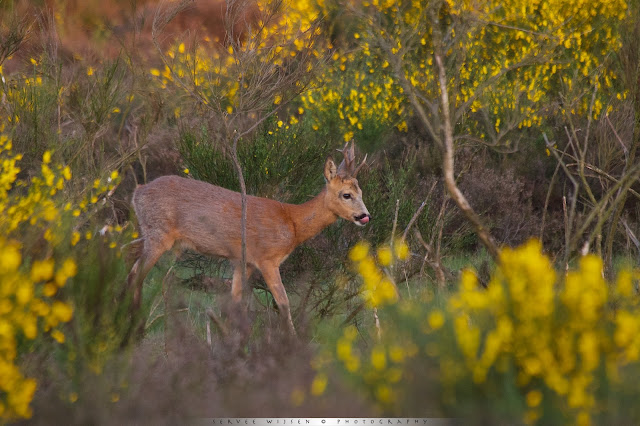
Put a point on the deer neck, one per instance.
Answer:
(311, 217)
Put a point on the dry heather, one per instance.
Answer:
(171, 379)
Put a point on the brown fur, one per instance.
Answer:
(175, 211)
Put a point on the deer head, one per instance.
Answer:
(344, 196)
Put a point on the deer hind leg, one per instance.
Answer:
(238, 313)
(274, 282)
(237, 287)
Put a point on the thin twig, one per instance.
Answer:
(631, 235)
(417, 213)
(571, 213)
(604, 174)
(166, 284)
(624, 147)
(395, 222)
(353, 314)
(377, 319)
(218, 323)
(434, 264)
(159, 316)
(566, 232)
(546, 201)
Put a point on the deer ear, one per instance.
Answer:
(330, 169)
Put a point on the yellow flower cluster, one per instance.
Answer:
(37, 206)
(27, 286)
(345, 350)
(504, 58)
(216, 72)
(27, 99)
(559, 338)
(384, 368)
(378, 288)
(295, 19)
(31, 276)
(555, 340)
(20, 95)
(362, 94)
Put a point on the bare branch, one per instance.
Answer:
(417, 213)
(441, 272)
(218, 323)
(17, 32)
(448, 166)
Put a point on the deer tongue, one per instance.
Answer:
(364, 219)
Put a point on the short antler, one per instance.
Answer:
(364, 161)
(348, 167)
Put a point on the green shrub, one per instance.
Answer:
(278, 161)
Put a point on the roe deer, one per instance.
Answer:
(188, 213)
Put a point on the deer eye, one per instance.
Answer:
(346, 196)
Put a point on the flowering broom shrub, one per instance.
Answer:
(558, 342)
(27, 284)
(548, 346)
(220, 73)
(35, 263)
(506, 60)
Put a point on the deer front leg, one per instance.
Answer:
(271, 275)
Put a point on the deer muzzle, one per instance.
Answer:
(363, 219)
